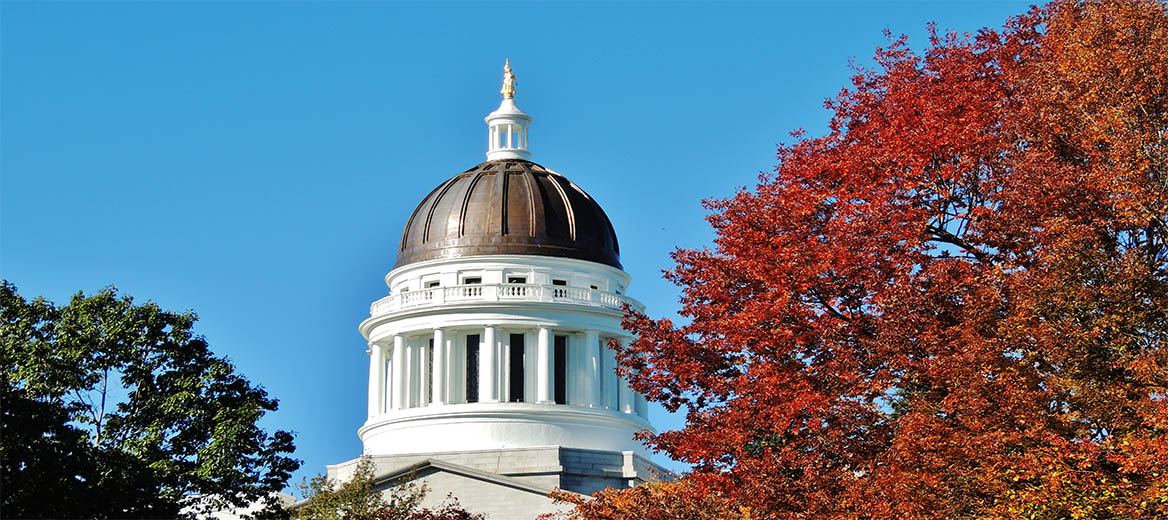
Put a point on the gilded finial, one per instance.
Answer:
(509, 82)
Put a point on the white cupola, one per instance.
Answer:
(507, 125)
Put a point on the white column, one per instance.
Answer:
(457, 388)
(438, 385)
(422, 387)
(417, 356)
(376, 379)
(640, 404)
(530, 372)
(608, 393)
(487, 367)
(455, 359)
(543, 367)
(625, 399)
(592, 368)
(418, 378)
(503, 365)
(577, 392)
(530, 345)
(398, 385)
(411, 397)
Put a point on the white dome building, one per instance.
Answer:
(489, 374)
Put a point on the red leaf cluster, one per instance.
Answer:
(651, 501)
(951, 306)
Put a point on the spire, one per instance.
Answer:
(507, 126)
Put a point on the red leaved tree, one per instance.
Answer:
(955, 304)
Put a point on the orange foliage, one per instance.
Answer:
(652, 501)
(954, 305)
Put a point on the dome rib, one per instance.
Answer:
(433, 206)
(414, 215)
(508, 207)
(567, 206)
(464, 207)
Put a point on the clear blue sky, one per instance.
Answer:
(255, 162)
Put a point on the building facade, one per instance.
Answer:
(489, 376)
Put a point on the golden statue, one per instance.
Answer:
(509, 82)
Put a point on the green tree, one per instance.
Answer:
(113, 409)
(360, 498)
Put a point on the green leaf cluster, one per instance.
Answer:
(364, 497)
(357, 498)
(115, 409)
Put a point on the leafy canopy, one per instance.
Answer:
(116, 409)
(955, 303)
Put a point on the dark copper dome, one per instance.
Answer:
(508, 207)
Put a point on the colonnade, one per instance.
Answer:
(497, 364)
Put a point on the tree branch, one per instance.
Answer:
(831, 310)
(104, 388)
(943, 235)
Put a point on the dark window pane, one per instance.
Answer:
(472, 368)
(515, 395)
(429, 373)
(561, 373)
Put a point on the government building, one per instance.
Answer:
(490, 378)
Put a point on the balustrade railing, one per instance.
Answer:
(487, 293)
(464, 292)
(519, 291)
(572, 293)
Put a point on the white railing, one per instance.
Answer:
(509, 292)
(519, 291)
(463, 292)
